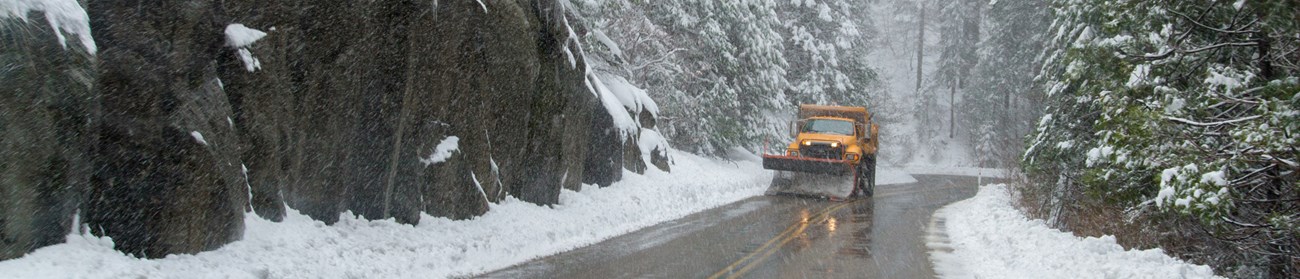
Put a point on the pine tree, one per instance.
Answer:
(1002, 99)
(722, 70)
(957, 25)
(824, 46)
(1178, 110)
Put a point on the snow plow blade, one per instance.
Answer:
(808, 165)
(832, 179)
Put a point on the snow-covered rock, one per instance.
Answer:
(65, 15)
(300, 247)
(241, 37)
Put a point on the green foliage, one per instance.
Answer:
(1190, 111)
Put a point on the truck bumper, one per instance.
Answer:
(807, 165)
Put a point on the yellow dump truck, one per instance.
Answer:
(833, 154)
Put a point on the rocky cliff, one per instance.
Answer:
(167, 129)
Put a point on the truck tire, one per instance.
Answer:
(871, 174)
(866, 180)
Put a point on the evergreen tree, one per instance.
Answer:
(957, 24)
(825, 46)
(722, 70)
(1001, 100)
(1178, 110)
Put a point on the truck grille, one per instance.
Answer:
(821, 151)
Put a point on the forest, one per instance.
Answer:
(1169, 124)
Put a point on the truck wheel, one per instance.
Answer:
(860, 182)
(869, 175)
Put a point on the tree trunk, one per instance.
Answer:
(952, 111)
(920, 46)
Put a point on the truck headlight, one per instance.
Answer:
(792, 152)
(835, 144)
(851, 157)
(807, 142)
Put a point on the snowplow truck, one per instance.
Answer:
(833, 154)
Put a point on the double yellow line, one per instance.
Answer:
(767, 249)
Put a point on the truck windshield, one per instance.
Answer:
(827, 126)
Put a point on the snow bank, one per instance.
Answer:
(512, 232)
(66, 15)
(988, 238)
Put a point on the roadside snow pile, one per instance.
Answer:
(512, 232)
(988, 238)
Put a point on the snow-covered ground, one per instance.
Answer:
(886, 175)
(512, 232)
(985, 237)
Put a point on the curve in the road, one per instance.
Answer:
(773, 237)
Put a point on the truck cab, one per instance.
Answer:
(831, 143)
(827, 138)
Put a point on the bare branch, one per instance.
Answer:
(1217, 123)
(661, 58)
(1220, 45)
(1240, 224)
(1242, 30)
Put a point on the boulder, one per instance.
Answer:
(167, 171)
(45, 116)
(604, 160)
(261, 99)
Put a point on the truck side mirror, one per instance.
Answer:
(794, 129)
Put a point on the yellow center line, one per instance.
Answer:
(769, 242)
(795, 230)
(752, 264)
(784, 237)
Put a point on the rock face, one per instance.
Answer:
(349, 103)
(45, 98)
(167, 170)
(262, 103)
(604, 160)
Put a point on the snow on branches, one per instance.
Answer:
(1184, 105)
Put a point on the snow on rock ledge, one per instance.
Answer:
(633, 98)
(66, 15)
(988, 238)
(240, 37)
(613, 106)
(443, 151)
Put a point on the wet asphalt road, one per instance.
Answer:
(773, 237)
